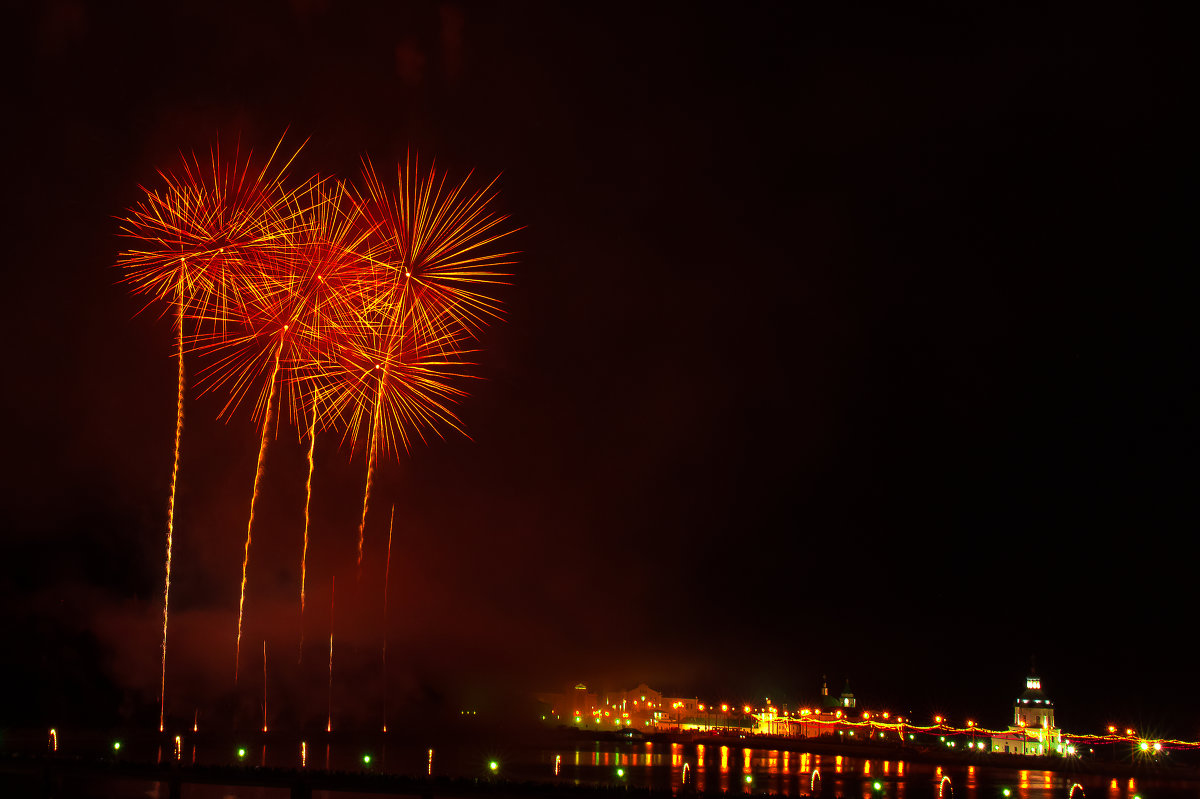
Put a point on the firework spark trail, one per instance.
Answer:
(312, 443)
(387, 568)
(162, 706)
(264, 685)
(372, 446)
(329, 714)
(262, 460)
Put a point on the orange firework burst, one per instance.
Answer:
(191, 241)
(325, 305)
(385, 384)
(433, 241)
(196, 239)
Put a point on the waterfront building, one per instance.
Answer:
(639, 707)
(1033, 730)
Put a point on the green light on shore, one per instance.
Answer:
(366, 760)
(1007, 792)
(241, 753)
(116, 745)
(620, 772)
(878, 786)
(494, 766)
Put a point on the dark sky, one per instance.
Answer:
(846, 343)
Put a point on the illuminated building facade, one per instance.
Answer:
(638, 708)
(1033, 731)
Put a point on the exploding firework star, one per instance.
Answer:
(431, 242)
(434, 242)
(191, 241)
(387, 384)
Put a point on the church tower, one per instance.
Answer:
(1033, 707)
(1033, 721)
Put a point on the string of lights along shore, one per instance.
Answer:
(1033, 731)
(344, 308)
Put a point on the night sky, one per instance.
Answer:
(845, 343)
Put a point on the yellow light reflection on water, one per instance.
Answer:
(724, 759)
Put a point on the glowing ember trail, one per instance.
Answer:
(262, 461)
(53, 740)
(312, 443)
(329, 714)
(162, 704)
(303, 754)
(196, 720)
(178, 747)
(372, 445)
(387, 571)
(264, 686)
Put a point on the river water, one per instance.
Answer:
(662, 766)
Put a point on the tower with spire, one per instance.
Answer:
(1032, 731)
